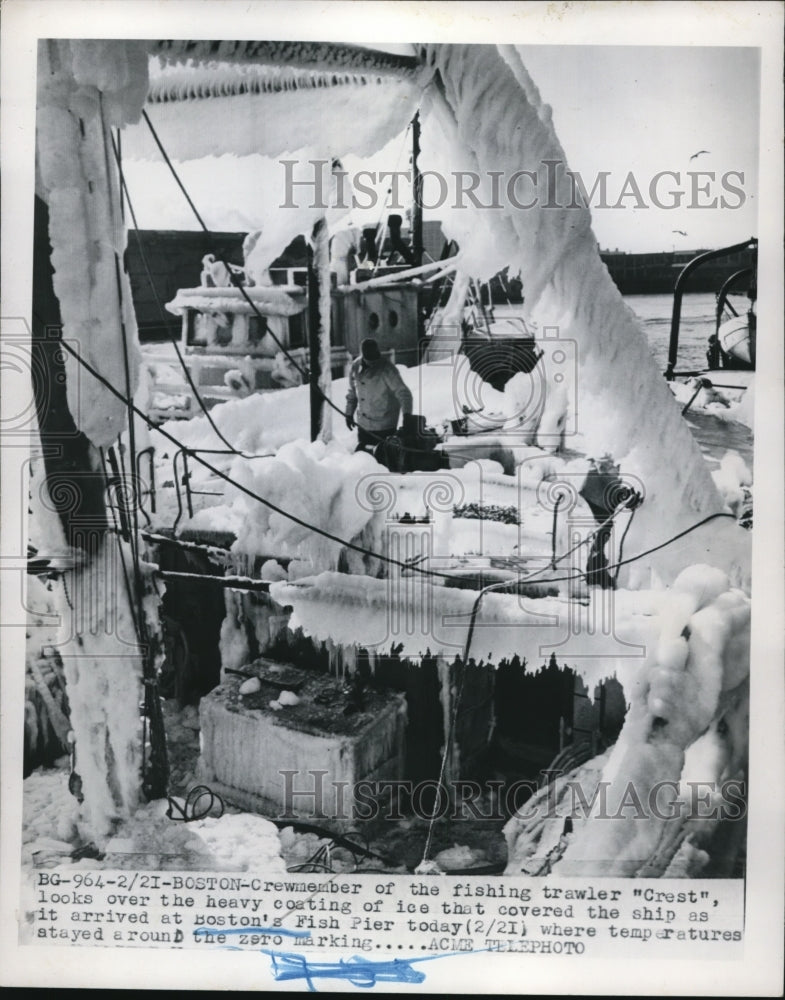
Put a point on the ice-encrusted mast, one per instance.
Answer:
(84, 90)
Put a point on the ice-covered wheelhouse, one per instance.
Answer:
(260, 338)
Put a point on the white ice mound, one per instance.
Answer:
(686, 722)
(315, 482)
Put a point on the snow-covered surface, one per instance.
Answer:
(733, 480)
(148, 839)
(232, 842)
(723, 403)
(268, 420)
(50, 817)
(314, 482)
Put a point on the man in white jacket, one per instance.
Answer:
(377, 395)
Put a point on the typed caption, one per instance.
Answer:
(348, 915)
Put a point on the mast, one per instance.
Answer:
(417, 247)
(319, 350)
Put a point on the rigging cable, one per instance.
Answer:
(155, 780)
(352, 545)
(303, 371)
(167, 324)
(381, 225)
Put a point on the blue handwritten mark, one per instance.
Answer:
(283, 931)
(358, 971)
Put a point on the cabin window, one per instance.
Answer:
(297, 337)
(373, 322)
(199, 328)
(393, 319)
(257, 328)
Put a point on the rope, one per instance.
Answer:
(342, 541)
(693, 397)
(553, 533)
(621, 543)
(447, 747)
(303, 371)
(128, 394)
(191, 811)
(158, 756)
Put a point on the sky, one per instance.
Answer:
(625, 113)
(645, 110)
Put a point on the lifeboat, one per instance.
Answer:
(734, 338)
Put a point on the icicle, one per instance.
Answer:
(321, 265)
(446, 328)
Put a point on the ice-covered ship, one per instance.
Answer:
(577, 504)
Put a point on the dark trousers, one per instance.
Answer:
(369, 439)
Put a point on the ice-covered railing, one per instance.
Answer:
(322, 56)
(189, 82)
(417, 616)
(245, 98)
(268, 301)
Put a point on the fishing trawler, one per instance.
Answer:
(336, 564)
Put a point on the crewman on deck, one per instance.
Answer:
(377, 395)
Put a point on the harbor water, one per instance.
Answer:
(697, 325)
(714, 435)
